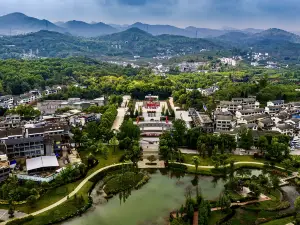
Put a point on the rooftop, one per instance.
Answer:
(41, 162)
(223, 117)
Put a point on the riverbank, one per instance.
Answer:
(66, 207)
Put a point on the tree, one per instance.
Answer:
(114, 142)
(31, 200)
(246, 138)
(297, 203)
(275, 182)
(224, 202)
(196, 162)
(201, 147)
(262, 143)
(179, 130)
(11, 209)
(130, 130)
(91, 160)
(227, 142)
(134, 154)
(287, 164)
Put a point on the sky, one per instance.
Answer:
(182, 13)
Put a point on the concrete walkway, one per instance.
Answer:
(119, 119)
(236, 163)
(261, 199)
(104, 168)
(143, 165)
(73, 192)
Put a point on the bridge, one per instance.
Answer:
(284, 181)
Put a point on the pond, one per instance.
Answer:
(152, 204)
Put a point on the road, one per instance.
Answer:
(119, 119)
(73, 192)
(121, 113)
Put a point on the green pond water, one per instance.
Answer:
(152, 204)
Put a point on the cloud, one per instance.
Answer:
(201, 13)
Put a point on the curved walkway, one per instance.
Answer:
(107, 167)
(236, 163)
(74, 191)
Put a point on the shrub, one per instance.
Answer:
(21, 220)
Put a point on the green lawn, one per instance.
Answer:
(113, 157)
(282, 221)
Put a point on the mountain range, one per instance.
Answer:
(65, 39)
(19, 23)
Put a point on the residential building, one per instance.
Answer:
(24, 147)
(202, 120)
(4, 167)
(229, 106)
(7, 101)
(249, 112)
(275, 103)
(49, 107)
(224, 122)
(14, 133)
(266, 123)
(272, 110)
(30, 97)
(285, 129)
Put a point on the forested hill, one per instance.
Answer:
(132, 42)
(280, 44)
(137, 42)
(127, 43)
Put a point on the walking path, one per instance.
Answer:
(121, 113)
(261, 199)
(104, 168)
(236, 163)
(73, 192)
(119, 119)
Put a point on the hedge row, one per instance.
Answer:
(20, 221)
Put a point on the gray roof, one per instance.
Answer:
(252, 110)
(15, 131)
(251, 125)
(266, 121)
(283, 115)
(285, 126)
(255, 117)
(278, 101)
(223, 117)
(36, 130)
(23, 140)
(275, 107)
